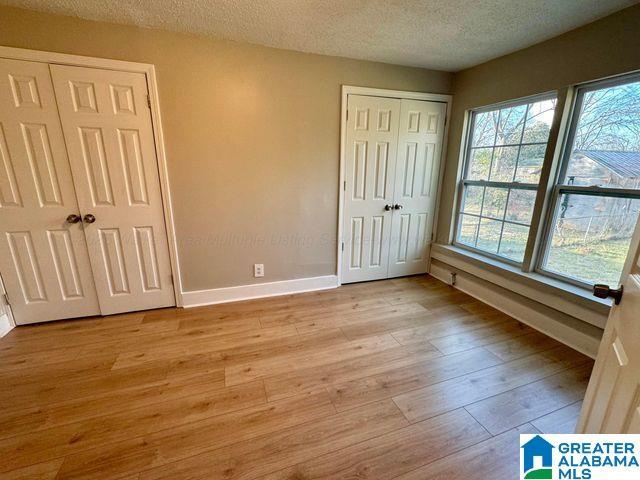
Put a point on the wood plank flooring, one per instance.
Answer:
(405, 378)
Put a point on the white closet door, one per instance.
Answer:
(43, 258)
(107, 128)
(416, 184)
(370, 155)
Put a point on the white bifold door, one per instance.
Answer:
(81, 220)
(43, 259)
(392, 162)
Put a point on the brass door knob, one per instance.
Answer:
(89, 218)
(73, 218)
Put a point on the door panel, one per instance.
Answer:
(421, 132)
(107, 127)
(43, 259)
(612, 401)
(370, 156)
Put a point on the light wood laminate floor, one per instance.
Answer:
(404, 378)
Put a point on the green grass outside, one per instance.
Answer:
(595, 262)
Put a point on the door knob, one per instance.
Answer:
(89, 218)
(603, 291)
(388, 207)
(73, 218)
(397, 206)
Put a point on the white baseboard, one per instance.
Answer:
(6, 325)
(574, 333)
(257, 290)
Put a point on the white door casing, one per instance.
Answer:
(420, 142)
(107, 127)
(370, 153)
(612, 401)
(44, 259)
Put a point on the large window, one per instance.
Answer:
(583, 236)
(597, 198)
(504, 159)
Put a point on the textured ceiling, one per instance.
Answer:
(440, 34)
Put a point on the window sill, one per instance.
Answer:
(567, 298)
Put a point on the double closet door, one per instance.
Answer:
(392, 161)
(81, 219)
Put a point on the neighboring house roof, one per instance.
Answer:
(625, 164)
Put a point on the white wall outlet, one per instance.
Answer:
(258, 270)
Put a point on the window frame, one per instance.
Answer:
(556, 189)
(462, 183)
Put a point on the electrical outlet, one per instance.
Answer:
(258, 270)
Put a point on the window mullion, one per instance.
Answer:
(545, 198)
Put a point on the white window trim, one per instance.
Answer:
(555, 294)
(565, 147)
(464, 165)
(560, 140)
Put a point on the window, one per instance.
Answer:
(597, 197)
(593, 207)
(504, 158)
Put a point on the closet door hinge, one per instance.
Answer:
(5, 299)
(344, 185)
(343, 246)
(149, 101)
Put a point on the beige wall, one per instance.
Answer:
(252, 138)
(606, 47)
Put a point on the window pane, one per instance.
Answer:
(514, 241)
(484, 129)
(504, 164)
(480, 164)
(489, 235)
(539, 118)
(510, 125)
(520, 206)
(530, 163)
(472, 202)
(591, 237)
(495, 201)
(606, 147)
(498, 156)
(468, 229)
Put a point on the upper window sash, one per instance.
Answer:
(567, 147)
